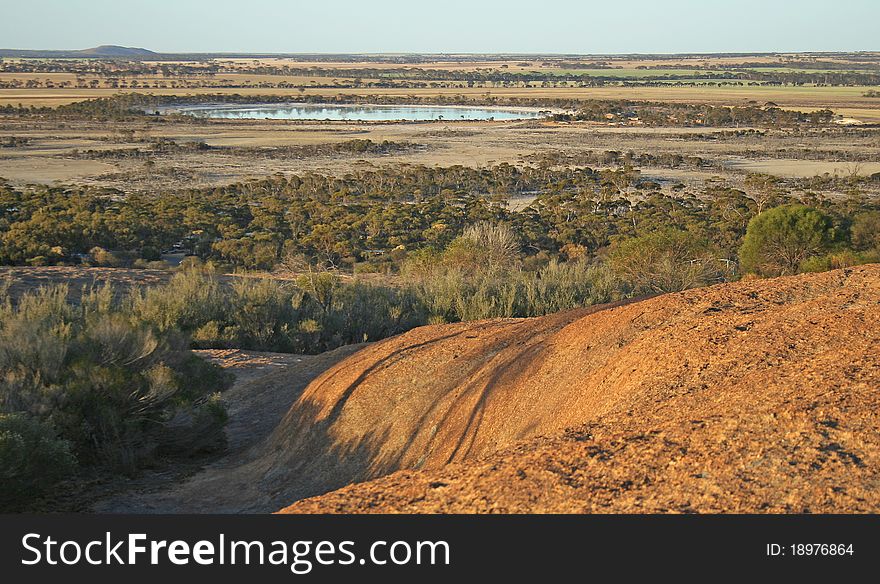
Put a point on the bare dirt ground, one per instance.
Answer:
(801, 168)
(28, 279)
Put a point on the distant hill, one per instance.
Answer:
(116, 51)
(102, 52)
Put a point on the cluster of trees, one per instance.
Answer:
(795, 238)
(118, 107)
(820, 78)
(664, 114)
(153, 148)
(867, 64)
(851, 169)
(616, 158)
(109, 67)
(121, 73)
(250, 224)
(355, 146)
(13, 141)
(371, 220)
(167, 146)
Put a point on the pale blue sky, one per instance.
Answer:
(537, 26)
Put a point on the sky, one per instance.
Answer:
(444, 26)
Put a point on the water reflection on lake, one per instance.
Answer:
(368, 113)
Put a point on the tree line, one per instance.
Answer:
(371, 220)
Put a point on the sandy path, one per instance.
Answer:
(266, 385)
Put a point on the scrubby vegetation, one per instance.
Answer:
(321, 310)
(93, 385)
(298, 152)
(664, 114)
(105, 381)
(33, 458)
(498, 269)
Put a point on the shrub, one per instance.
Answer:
(837, 260)
(197, 431)
(190, 300)
(264, 313)
(664, 261)
(212, 335)
(104, 258)
(452, 294)
(320, 286)
(566, 285)
(455, 294)
(150, 253)
(865, 231)
(780, 240)
(485, 247)
(364, 312)
(106, 381)
(32, 459)
(35, 339)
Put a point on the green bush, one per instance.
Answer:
(484, 247)
(566, 285)
(865, 231)
(193, 298)
(364, 312)
(837, 260)
(665, 261)
(102, 257)
(107, 381)
(263, 314)
(450, 294)
(320, 287)
(32, 459)
(780, 240)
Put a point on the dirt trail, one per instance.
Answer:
(266, 385)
